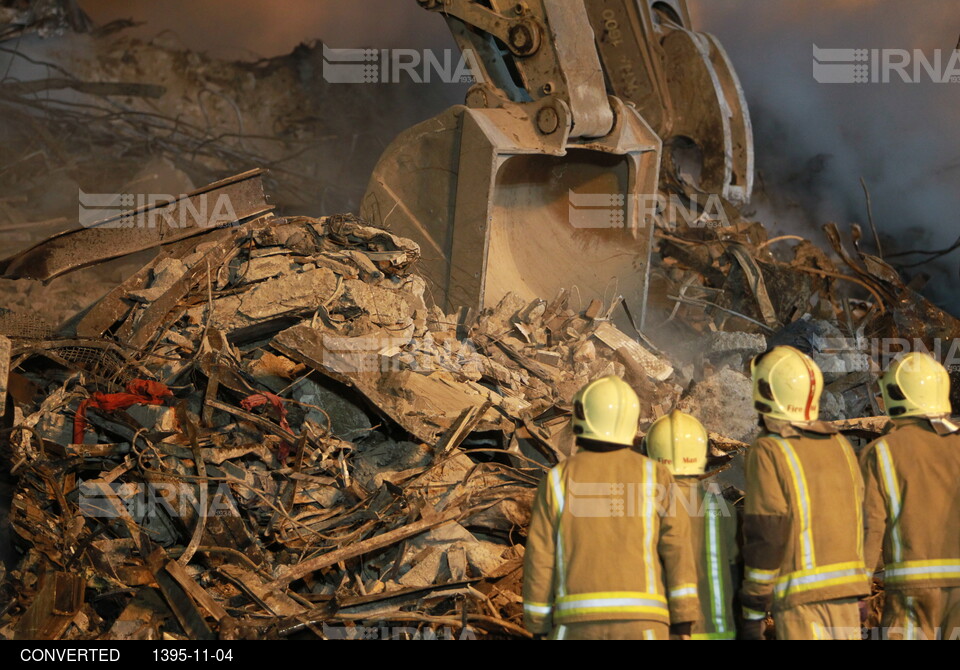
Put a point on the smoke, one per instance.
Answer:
(815, 141)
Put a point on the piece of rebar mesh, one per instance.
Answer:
(100, 362)
(23, 325)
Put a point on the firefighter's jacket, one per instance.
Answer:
(912, 506)
(802, 529)
(713, 535)
(608, 542)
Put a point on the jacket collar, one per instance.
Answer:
(596, 445)
(941, 425)
(797, 428)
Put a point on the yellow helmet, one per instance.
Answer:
(680, 442)
(787, 385)
(916, 385)
(607, 410)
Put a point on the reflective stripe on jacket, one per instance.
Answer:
(607, 542)
(713, 536)
(912, 506)
(803, 539)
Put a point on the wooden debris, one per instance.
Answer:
(268, 596)
(366, 546)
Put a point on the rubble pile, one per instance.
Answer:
(269, 429)
(44, 18)
(731, 292)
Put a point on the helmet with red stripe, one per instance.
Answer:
(787, 385)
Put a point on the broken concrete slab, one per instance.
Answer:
(345, 419)
(724, 402)
(385, 307)
(734, 349)
(378, 458)
(165, 273)
(632, 353)
(260, 268)
(424, 404)
(291, 294)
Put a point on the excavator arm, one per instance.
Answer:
(683, 85)
(645, 52)
(534, 50)
(548, 177)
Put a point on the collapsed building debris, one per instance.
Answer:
(271, 431)
(210, 445)
(281, 425)
(52, 17)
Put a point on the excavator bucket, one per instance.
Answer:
(548, 178)
(498, 210)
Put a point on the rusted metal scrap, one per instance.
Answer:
(228, 202)
(240, 514)
(908, 314)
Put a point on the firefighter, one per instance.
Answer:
(912, 504)
(679, 441)
(802, 530)
(605, 558)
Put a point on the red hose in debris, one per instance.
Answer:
(139, 392)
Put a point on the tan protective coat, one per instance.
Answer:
(912, 506)
(803, 539)
(607, 542)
